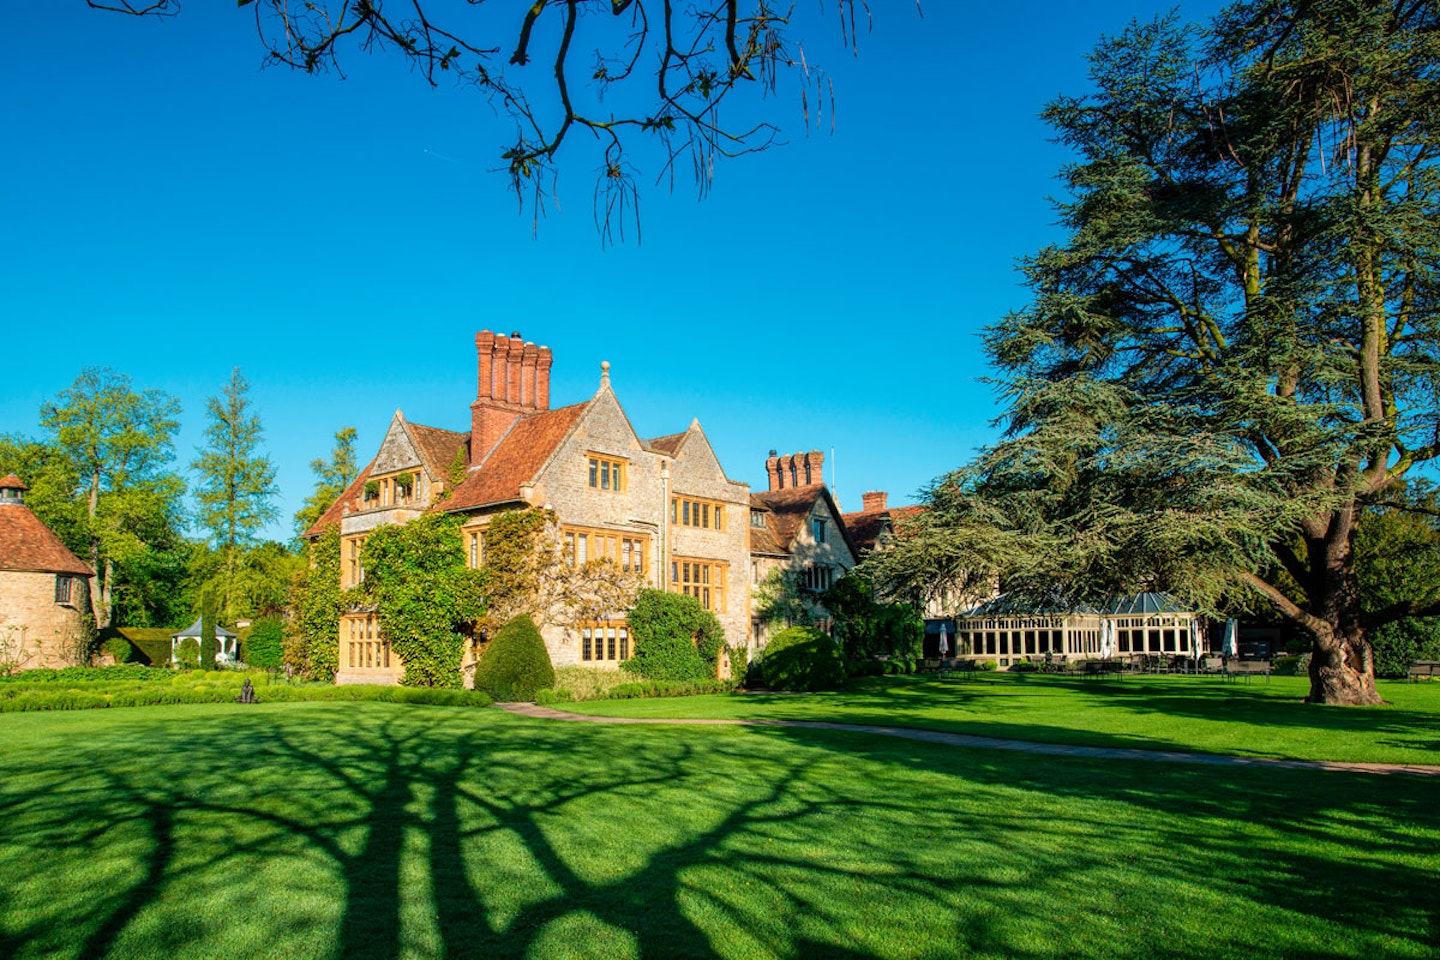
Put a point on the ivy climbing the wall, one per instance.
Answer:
(424, 595)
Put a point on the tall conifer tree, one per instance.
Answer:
(236, 492)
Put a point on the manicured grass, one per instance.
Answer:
(1159, 713)
(379, 830)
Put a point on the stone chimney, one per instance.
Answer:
(513, 379)
(873, 500)
(795, 469)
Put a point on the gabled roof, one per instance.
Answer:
(27, 545)
(866, 526)
(437, 448)
(668, 445)
(336, 511)
(788, 509)
(517, 459)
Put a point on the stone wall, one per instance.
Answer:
(35, 631)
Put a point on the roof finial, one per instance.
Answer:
(604, 373)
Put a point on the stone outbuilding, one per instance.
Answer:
(44, 590)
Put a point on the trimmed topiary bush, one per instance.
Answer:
(516, 665)
(265, 646)
(675, 638)
(803, 658)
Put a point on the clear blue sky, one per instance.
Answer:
(172, 210)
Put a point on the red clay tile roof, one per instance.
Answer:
(668, 445)
(28, 545)
(12, 482)
(865, 526)
(788, 509)
(516, 459)
(437, 447)
(336, 510)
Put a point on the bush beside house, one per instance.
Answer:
(515, 665)
(803, 658)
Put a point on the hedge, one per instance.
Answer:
(803, 658)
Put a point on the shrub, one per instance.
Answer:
(188, 652)
(121, 649)
(209, 647)
(803, 658)
(675, 637)
(547, 698)
(1024, 666)
(589, 683)
(516, 665)
(265, 647)
(739, 661)
(1296, 666)
(670, 688)
(987, 665)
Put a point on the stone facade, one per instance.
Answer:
(615, 494)
(44, 590)
(796, 528)
(35, 630)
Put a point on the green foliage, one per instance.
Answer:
(781, 599)
(209, 647)
(803, 658)
(83, 688)
(236, 493)
(1220, 359)
(265, 646)
(987, 665)
(675, 637)
(331, 479)
(515, 664)
(518, 564)
(102, 482)
(578, 684)
(312, 650)
(1397, 557)
(187, 652)
(425, 595)
(867, 629)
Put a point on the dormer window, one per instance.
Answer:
(757, 518)
(818, 527)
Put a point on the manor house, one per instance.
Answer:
(660, 507)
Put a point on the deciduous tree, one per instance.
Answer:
(644, 80)
(119, 444)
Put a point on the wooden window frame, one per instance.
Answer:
(581, 545)
(705, 580)
(600, 468)
(615, 645)
(698, 513)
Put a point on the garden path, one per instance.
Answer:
(995, 743)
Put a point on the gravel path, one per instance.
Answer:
(993, 743)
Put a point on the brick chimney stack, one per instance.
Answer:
(795, 470)
(513, 379)
(873, 500)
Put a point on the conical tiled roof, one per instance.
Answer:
(27, 545)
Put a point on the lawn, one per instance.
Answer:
(367, 829)
(1158, 713)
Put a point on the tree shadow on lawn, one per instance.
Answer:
(376, 831)
(1352, 849)
(983, 706)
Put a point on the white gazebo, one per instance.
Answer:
(228, 642)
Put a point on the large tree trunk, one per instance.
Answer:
(1342, 671)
